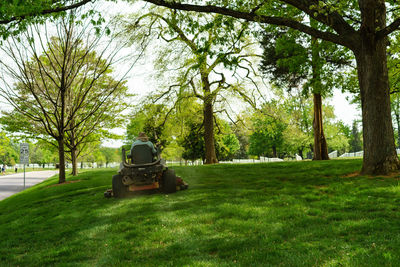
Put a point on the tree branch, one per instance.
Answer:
(338, 23)
(394, 26)
(45, 12)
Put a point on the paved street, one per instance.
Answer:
(11, 184)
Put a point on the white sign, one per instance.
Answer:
(24, 153)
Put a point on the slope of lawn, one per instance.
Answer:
(289, 214)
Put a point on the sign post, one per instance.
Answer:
(24, 156)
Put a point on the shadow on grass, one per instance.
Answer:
(293, 214)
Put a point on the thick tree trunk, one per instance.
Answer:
(209, 142)
(320, 145)
(379, 146)
(61, 156)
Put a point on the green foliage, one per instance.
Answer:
(110, 155)
(285, 125)
(193, 143)
(9, 151)
(242, 135)
(66, 88)
(293, 59)
(43, 153)
(153, 120)
(267, 137)
(227, 146)
(16, 16)
(355, 138)
(201, 56)
(394, 82)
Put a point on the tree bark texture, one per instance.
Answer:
(208, 120)
(379, 147)
(320, 145)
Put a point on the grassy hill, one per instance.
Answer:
(289, 214)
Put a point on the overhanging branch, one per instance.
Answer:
(249, 16)
(45, 12)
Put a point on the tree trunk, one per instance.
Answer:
(379, 146)
(74, 161)
(274, 151)
(209, 134)
(301, 153)
(320, 145)
(208, 114)
(61, 156)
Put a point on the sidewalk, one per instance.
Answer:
(14, 183)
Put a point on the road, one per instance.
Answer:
(14, 183)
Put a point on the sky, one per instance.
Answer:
(344, 111)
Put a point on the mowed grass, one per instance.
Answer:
(287, 214)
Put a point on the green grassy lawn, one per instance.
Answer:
(288, 214)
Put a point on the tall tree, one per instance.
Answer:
(363, 26)
(204, 46)
(61, 84)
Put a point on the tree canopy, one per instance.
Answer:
(362, 26)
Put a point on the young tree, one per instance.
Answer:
(61, 85)
(362, 26)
